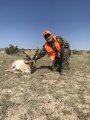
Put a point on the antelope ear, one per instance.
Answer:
(26, 62)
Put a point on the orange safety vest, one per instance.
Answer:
(50, 50)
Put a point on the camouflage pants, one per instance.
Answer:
(57, 65)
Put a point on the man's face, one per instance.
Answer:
(48, 37)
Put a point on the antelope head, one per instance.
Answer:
(31, 61)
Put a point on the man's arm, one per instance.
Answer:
(41, 53)
(64, 44)
(60, 40)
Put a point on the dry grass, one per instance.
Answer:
(45, 95)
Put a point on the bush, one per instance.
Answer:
(78, 52)
(12, 49)
(88, 52)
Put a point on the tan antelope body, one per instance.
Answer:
(20, 65)
(25, 66)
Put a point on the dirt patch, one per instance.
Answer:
(45, 95)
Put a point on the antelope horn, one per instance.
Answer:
(36, 53)
(28, 57)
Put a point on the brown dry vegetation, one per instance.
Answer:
(45, 95)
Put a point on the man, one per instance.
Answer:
(53, 46)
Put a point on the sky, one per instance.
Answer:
(23, 21)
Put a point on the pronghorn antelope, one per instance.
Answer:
(25, 66)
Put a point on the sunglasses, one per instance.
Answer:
(46, 36)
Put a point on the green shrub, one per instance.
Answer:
(12, 49)
(88, 52)
(78, 52)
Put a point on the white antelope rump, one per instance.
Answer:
(25, 66)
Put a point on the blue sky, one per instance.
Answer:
(23, 21)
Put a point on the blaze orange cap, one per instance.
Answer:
(46, 32)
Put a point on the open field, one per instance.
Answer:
(45, 95)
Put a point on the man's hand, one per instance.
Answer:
(58, 55)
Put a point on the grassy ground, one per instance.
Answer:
(45, 95)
